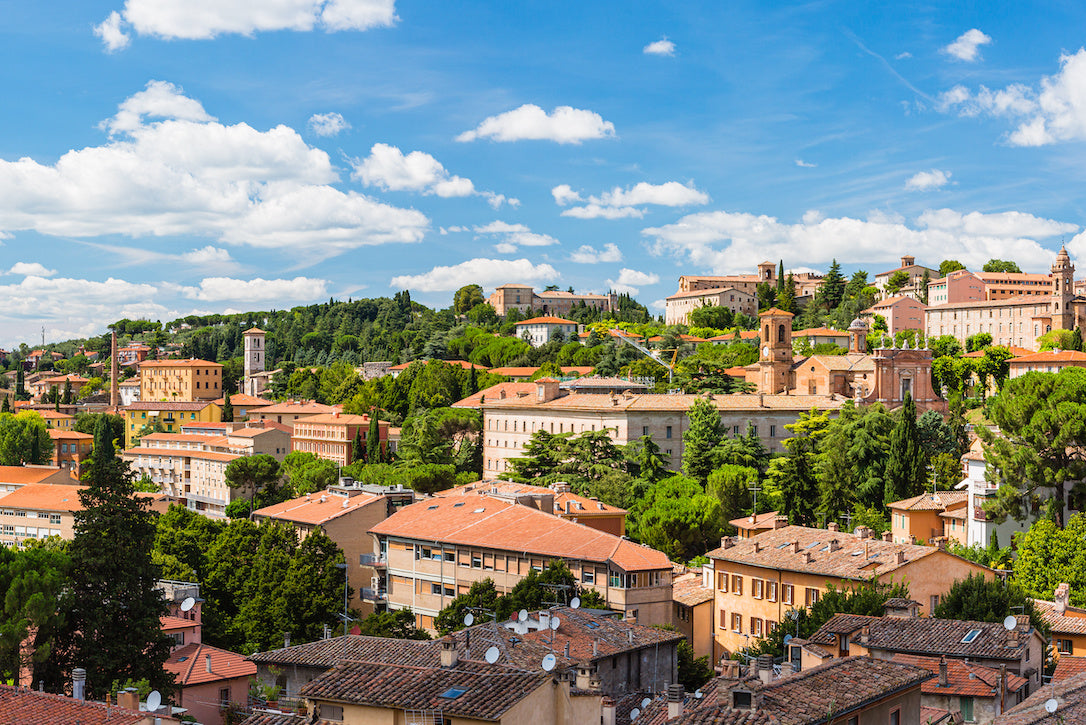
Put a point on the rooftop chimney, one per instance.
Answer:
(806, 557)
(449, 656)
(862, 532)
(79, 683)
(584, 676)
(833, 526)
(887, 536)
(795, 546)
(595, 647)
(865, 635)
(607, 711)
(1062, 597)
(286, 639)
(729, 670)
(674, 701)
(779, 522)
(726, 542)
(943, 680)
(834, 545)
(900, 557)
(765, 668)
(129, 698)
(757, 546)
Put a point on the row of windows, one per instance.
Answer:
(757, 626)
(763, 589)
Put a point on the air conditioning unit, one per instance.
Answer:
(375, 582)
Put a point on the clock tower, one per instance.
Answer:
(775, 357)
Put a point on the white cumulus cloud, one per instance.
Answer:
(481, 271)
(630, 281)
(926, 180)
(659, 47)
(727, 242)
(621, 203)
(587, 254)
(170, 169)
(223, 289)
(804, 164)
(327, 124)
(967, 46)
(530, 122)
(510, 237)
(1052, 112)
(28, 269)
(204, 19)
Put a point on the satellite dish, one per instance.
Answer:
(1009, 622)
(549, 662)
(469, 619)
(523, 615)
(634, 713)
(646, 702)
(787, 639)
(188, 604)
(555, 621)
(154, 700)
(491, 655)
(699, 694)
(1051, 704)
(575, 603)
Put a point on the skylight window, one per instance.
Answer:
(458, 504)
(812, 545)
(478, 511)
(781, 546)
(970, 636)
(592, 625)
(453, 692)
(431, 508)
(856, 553)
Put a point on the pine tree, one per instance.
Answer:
(786, 298)
(113, 606)
(373, 440)
(227, 409)
(5, 407)
(832, 290)
(699, 440)
(905, 465)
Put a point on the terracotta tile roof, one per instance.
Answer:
(167, 406)
(69, 435)
(743, 335)
(245, 401)
(26, 474)
(963, 678)
(54, 415)
(255, 432)
(894, 301)
(596, 402)
(179, 438)
(527, 372)
(260, 717)
(327, 653)
(196, 453)
(62, 379)
(168, 624)
(1070, 696)
(546, 320)
(488, 690)
(253, 330)
(190, 665)
(1068, 666)
(337, 418)
(1072, 621)
(1050, 357)
(687, 589)
(935, 716)
(580, 505)
(930, 502)
(191, 363)
(28, 707)
(820, 332)
(316, 509)
(844, 686)
(758, 521)
(928, 636)
(497, 524)
(850, 361)
(495, 392)
(854, 558)
(44, 497)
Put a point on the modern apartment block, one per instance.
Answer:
(331, 436)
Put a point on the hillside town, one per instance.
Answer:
(794, 498)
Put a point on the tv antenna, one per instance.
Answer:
(754, 488)
(560, 591)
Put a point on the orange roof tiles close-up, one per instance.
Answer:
(19, 706)
(501, 525)
(316, 509)
(26, 474)
(191, 666)
(44, 497)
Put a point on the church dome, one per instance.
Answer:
(858, 325)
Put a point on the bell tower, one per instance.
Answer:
(254, 361)
(775, 357)
(1063, 292)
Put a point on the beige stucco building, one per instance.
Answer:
(37, 511)
(180, 380)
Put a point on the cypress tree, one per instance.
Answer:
(112, 607)
(68, 392)
(20, 383)
(227, 409)
(780, 277)
(373, 440)
(905, 464)
(699, 440)
(358, 453)
(5, 407)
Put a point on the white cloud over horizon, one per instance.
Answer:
(31, 269)
(564, 125)
(388, 168)
(1052, 112)
(631, 280)
(587, 254)
(967, 47)
(513, 236)
(327, 124)
(622, 203)
(207, 19)
(728, 242)
(482, 271)
(222, 289)
(170, 169)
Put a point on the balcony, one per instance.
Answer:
(374, 595)
(373, 560)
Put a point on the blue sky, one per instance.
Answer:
(164, 157)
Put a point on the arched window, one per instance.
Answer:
(780, 333)
(767, 333)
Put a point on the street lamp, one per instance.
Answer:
(346, 619)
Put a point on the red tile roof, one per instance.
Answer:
(28, 707)
(1068, 666)
(1070, 697)
(316, 509)
(246, 401)
(191, 363)
(546, 320)
(169, 624)
(938, 501)
(580, 505)
(68, 435)
(291, 407)
(44, 497)
(456, 363)
(496, 524)
(1072, 621)
(963, 678)
(495, 392)
(758, 521)
(190, 665)
(688, 590)
(1050, 357)
(26, 474)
